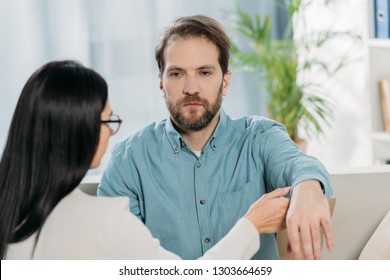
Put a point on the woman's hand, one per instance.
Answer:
(268, 214)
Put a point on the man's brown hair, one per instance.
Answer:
(195, 26)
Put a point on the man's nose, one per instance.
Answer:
(191, 86)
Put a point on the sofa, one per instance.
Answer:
(362, 201)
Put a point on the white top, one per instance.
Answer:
(198, 153)
(378, 247)
(87, 227)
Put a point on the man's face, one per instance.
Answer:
(193, 82)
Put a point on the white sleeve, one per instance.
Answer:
(126, 237)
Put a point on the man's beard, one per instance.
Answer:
(194, 122)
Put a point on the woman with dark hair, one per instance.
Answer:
(59, 130)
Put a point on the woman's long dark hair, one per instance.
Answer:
(51, 142)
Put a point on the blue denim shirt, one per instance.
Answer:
(189, 203)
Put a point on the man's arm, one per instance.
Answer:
(285, 165)
(117, 181)
(307, 215)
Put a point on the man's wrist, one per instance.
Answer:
(320, 184)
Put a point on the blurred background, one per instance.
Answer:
(117, 39)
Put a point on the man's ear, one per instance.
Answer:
(226, 82)
(161, 81)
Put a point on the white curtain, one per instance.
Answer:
(33, 32)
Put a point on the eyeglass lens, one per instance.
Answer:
(114, 125)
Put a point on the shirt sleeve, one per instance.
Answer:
(285, 165)
(116, 182)
(126, 237)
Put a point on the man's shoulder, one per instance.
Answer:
(148, 134)
(256, 123)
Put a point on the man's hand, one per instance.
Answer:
(268, 214)
(307, 215)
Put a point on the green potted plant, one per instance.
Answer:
(278, 63)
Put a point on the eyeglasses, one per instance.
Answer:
(113, 123)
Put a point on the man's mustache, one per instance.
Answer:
(193, 99)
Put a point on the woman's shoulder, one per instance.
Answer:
(82, 204)
(83, 221)
(75, 229)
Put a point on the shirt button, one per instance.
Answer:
(207, 240)
(198, 164)
(202, 201)
(176, 149)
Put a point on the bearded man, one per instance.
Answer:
(191, 176)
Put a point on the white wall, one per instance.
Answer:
(347, 141)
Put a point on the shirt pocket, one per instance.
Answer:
(233, 205)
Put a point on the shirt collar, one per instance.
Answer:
(216, 138)
(174, 138)
(177, 142)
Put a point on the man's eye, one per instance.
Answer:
(175, 74)
(205, 73)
